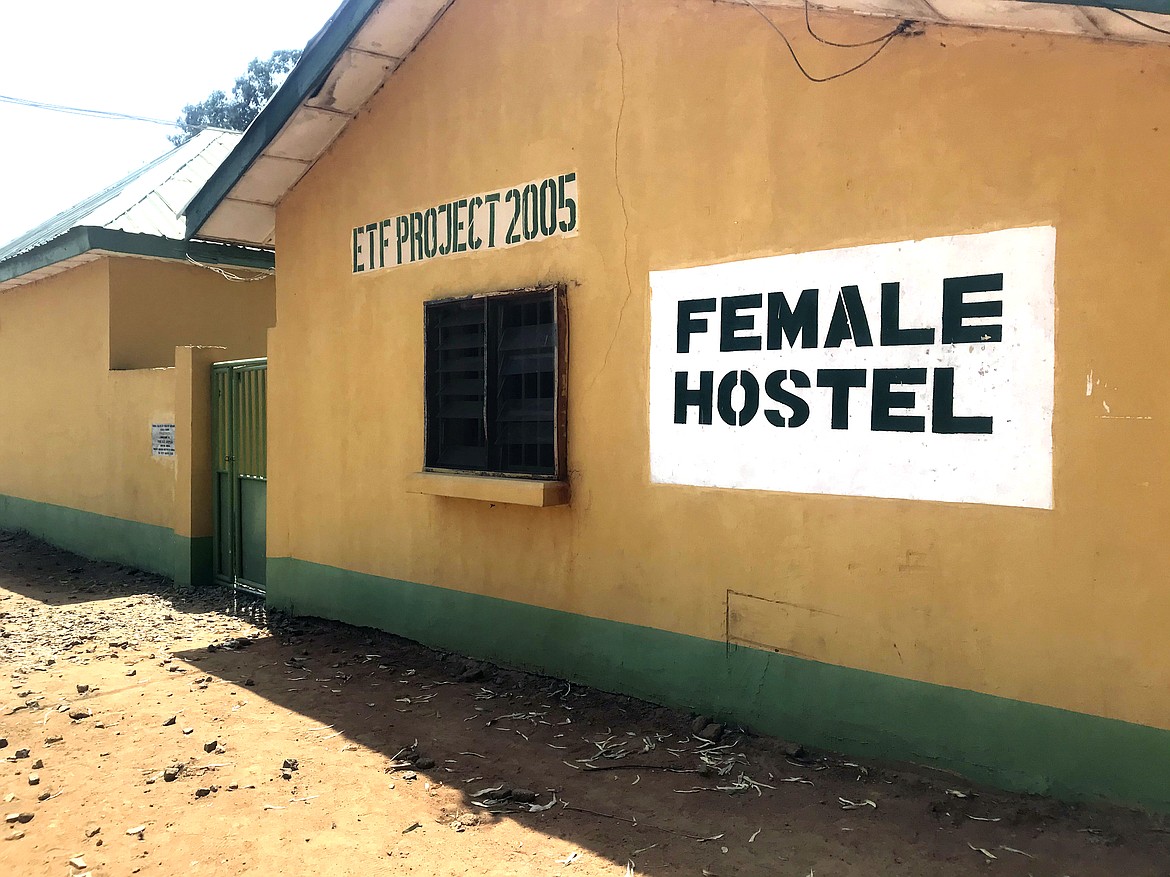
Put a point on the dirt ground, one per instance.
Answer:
(171, 732)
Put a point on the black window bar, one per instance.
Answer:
(492, 388)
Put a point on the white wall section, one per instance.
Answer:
(914, 370)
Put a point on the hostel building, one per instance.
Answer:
(612, 345)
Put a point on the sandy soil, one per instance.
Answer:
(163, 743)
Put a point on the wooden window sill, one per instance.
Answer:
(513, 491)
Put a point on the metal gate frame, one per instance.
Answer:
(240, 458)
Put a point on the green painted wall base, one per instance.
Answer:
(1011, 744)
(100, 537)
(192, 560)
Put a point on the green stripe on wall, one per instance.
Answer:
(100, 537)
(144, 546)
(1007, 743)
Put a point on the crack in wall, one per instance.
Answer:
(621, 196)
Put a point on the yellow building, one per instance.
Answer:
(109, 320)
(614, 344)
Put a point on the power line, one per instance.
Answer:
(902, 28)
(1137, 20)
(102, 114)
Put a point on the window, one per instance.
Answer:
(495, 384)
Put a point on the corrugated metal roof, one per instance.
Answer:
(149, 201)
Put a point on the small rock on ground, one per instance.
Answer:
(712, 732)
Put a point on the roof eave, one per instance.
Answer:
(308, 75)
(324, 52)
(1157, 6)
(83, 239)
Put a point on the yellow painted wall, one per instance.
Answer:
(87, 359)
(696, 141)
(156, 306)
(73, 433)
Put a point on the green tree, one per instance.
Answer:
(249, 95)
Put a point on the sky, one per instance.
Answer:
(143, 57)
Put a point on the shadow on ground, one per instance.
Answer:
(58, 578)
(634, 784)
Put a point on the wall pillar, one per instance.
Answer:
(193, 521)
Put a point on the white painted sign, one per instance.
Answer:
(916, 370)
(532, 211)
(162, 439)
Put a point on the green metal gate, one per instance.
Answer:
(239, 442)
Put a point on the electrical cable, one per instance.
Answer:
(230, 275)
(1137, 20)
(101, 114)
(902, 28)
(828, 42)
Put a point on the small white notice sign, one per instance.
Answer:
(162, 439)
(915, 370)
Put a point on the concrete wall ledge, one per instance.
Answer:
(515, 491)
